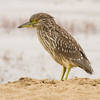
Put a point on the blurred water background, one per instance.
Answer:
(21, 54)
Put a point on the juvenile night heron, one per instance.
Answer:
(59, 43)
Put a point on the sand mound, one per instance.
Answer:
(31, 89)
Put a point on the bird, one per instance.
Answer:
(59, 43)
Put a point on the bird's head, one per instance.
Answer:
(36, 20)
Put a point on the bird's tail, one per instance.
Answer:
(85, 64)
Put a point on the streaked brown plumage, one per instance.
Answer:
(59, 43)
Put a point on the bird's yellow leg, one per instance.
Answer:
(68, 72)
(64, 70)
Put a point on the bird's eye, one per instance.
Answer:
(36, 20)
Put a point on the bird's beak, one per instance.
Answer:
(27, 24)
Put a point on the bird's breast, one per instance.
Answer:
(46, 40)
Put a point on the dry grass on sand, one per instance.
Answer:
(32, 89)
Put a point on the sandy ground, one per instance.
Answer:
(32, 89)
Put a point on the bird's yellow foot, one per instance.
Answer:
(68, 72)
(64, 70)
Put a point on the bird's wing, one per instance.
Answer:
(67, 45)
